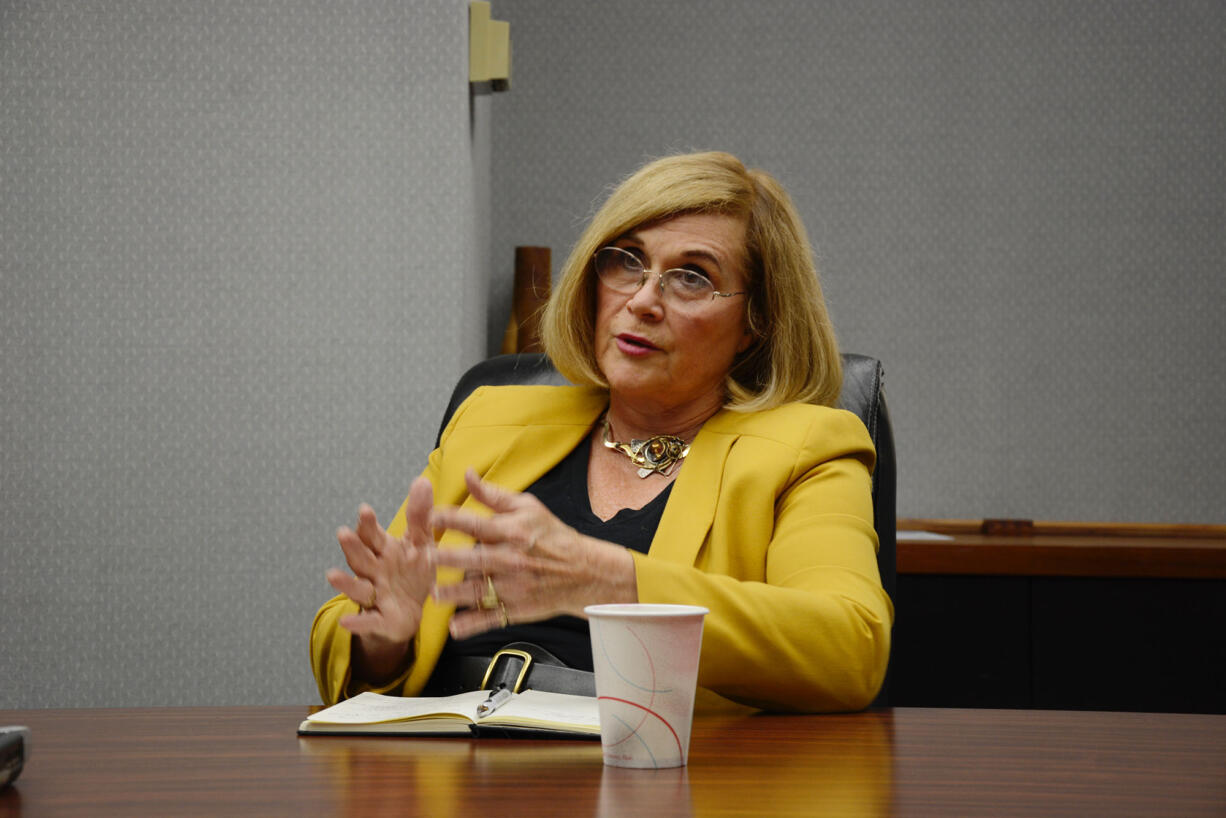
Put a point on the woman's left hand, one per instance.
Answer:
(538, 566)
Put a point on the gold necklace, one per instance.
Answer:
(658, 454)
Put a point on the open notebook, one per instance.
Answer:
(532, 713)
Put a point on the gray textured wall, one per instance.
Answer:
(241, 251)
(1018, 207)
(237, 262)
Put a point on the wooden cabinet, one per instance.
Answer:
(1096, 617)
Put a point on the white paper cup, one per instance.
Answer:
(646, 661)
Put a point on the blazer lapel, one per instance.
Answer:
(691, 507)
(540, 446)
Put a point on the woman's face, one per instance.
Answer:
(664, 356)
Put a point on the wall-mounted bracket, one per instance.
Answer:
(489, 48)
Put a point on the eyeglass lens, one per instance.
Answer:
(624, 272)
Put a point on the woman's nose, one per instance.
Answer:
(649, 295)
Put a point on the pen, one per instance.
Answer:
(496, 700)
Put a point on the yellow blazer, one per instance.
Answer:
(769, 525)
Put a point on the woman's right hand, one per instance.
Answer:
(390, 582)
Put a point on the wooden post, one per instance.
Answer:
(531, 291)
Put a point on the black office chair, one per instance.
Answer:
(861, 393)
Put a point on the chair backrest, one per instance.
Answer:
(862, 393)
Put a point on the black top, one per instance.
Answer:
(563, 490)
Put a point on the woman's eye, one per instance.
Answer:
(693, 279)
(632, 260)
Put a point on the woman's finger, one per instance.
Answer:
(369, 530)
(481, 559)
(361, 591)
(484, 594)
(481, 529)
(363, 622)
(472, 622)
(360, 558)
(466, 593)
(421, 501)
(493, 496)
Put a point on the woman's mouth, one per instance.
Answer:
(635, 345)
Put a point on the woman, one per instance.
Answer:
(690, 316)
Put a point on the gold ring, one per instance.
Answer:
(502, 614)
(374, 597)
(489, 600)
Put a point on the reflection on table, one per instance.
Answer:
(845, 771)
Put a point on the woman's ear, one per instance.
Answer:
(747, 338)
(751, 335)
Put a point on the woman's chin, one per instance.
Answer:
(628, 380)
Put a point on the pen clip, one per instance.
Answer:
(496, 700)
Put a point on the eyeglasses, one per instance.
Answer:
(623, 272)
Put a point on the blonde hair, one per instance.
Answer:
(794, 356)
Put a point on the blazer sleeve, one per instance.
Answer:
(331, 645)
(798, 618)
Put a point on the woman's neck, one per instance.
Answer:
(628, 421)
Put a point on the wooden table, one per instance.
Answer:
(248, 761)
